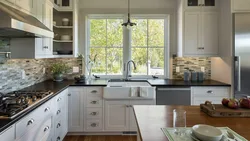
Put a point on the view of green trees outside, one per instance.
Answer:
(106, 40)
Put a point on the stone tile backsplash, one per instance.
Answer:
(11, 72)
(191, 64)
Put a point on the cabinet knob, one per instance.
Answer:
(127, 106)
(46, 109)
(210, 92)
(58, 112)
(93, 113)
(46, 129)
(59, 99)
(30, 122)
(58, 139)
(69, 94)
(93, 102)
(93, 125)
(58, 125)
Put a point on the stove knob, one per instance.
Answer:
(34, 98)
(19, 101)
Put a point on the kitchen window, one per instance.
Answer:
(146, 44)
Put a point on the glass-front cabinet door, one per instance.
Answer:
(64, 4)
(193, 3)
(198, 4)
(209, 3)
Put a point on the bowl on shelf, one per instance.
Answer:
(65, 37)
(65, 22)
(207, 132)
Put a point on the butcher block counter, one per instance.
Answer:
(150, 120)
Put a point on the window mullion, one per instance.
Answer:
(106, 52)
(147, 50)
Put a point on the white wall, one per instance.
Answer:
(222, 67)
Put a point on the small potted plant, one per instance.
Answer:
(58, 69)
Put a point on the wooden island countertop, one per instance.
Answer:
(150, 120)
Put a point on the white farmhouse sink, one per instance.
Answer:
(122, 90)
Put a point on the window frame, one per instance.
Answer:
(127, 37)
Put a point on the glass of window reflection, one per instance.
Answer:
(179, 122)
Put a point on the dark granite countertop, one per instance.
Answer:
(57, 87)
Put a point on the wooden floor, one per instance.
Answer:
(100, 138)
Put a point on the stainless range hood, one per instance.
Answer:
(17, 24)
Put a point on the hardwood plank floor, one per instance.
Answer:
(100, 138)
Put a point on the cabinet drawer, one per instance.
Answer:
(8, 134)
(28, 122)
(94, 125)
(94, 92)
(94, 102)
(47, 109)
(45, 130)
(60, 100)
(60, 112)
(210, 91)
(60, 127)
(94, 113)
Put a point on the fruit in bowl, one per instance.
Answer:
(245, 103)
(225, 101)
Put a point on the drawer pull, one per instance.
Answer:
(46, 109)
(93, 125)
(69, 94)
(59, 99)
(94, 91)
(58, 139)
(210, 92)
(94, 113)
(46, 129)
(30, 122)
(58, 112)
(93, 102)
(58, 125)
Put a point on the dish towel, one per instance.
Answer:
(144, 91)
(134, 91)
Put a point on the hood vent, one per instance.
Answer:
(17, 24)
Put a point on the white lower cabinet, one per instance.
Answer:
(8, 134)
(76, 106)
(214, 94)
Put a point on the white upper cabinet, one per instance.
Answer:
(240, 5)
(198, 30)
(200, 4)
(27, 5)
(64, 5)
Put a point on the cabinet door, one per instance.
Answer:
(8, 134)
(116, 115)
(210, 35)
(192, 33)
(241, 5)
(27, 5)
(75, 114)
(11, 1)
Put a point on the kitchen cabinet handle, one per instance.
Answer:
(46, 129)
(94, 91)
(58, 112)
(93, 125)
(127, 106)
(69, 94)
(210, 92)
(59, 99)
(46, 109)
(94, 113)
(58, 139)
(30, 122)
(93, 102)
(58, 125)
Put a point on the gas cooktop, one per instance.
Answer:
(13, 104)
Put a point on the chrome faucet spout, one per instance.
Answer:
(128, 68)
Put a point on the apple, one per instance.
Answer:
(225, 101)
(245, 103)
(233, 104)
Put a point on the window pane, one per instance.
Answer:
(156, 63)
(139, 33)
(139, 55)
(114, 60)
(114, 33)
(98, 33)
(156, 33)
(100, 65)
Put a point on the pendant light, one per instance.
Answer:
(128, 24)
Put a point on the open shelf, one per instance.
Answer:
(56, 26)
(61, 41)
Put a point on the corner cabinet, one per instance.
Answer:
(240, 6)
(198, 32)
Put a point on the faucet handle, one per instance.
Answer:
(129, 75)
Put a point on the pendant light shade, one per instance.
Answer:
(129, 24)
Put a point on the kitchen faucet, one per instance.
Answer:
(128, 68)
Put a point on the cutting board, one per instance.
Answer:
(218, 110)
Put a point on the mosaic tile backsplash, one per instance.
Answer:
(11, 72)
(191, 64)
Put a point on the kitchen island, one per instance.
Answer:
(150, 120)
